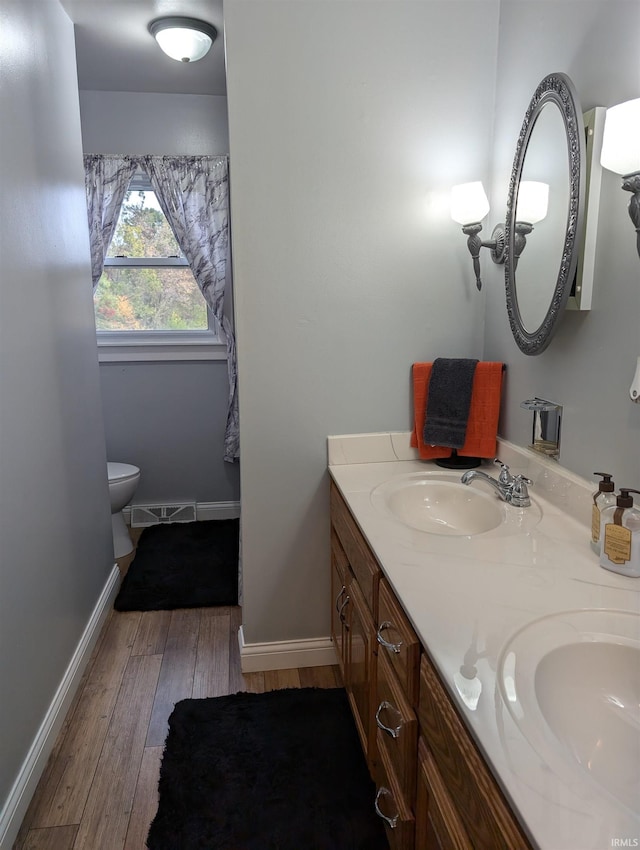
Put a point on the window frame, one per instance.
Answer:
(133, 346)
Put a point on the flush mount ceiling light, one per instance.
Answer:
(183, 39)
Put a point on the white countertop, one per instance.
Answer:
(468, 596)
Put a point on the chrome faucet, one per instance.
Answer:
(510, 488)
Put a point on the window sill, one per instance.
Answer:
(135, 348)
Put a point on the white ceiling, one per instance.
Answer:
(115, 51)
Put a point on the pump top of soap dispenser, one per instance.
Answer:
(624, 500)
(606, 485)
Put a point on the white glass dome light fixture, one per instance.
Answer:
(183, 39)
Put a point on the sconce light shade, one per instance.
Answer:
(469, 203)
(183, 39)
(621, 153)
(621, 139)
(533, 201)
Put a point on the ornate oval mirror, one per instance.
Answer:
(544, 213)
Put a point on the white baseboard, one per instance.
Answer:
(282, 655)
(217, 510)
(204, 510)
(17, 802)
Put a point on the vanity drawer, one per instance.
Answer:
(364, 566)
(391, 805)
(397, 726)
(398, 642)
(481, 806)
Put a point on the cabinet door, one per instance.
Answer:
(359, 678)
(438, 826)
(339, 602)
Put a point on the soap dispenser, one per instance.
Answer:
(621, 536)
(603, 498)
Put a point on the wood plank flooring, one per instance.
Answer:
(99, 789)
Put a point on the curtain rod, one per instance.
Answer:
(178, 155)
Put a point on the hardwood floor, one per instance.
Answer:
(99, 789)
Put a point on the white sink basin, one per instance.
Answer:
(571, 682)
(438, 503)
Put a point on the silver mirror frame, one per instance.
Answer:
(559, 90)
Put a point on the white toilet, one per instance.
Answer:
(123, 482)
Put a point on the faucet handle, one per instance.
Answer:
(519, 491)
(505, 476)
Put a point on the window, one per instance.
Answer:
(147, 303)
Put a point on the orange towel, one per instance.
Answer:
(482, 427)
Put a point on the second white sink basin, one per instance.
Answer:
(572, 684)
(438, 503)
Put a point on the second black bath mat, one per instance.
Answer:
(281, 770)
(183, 565)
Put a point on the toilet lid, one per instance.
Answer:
(121, 471)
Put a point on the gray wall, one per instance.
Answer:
(55, 523)
(348, 268)
(143, 122)
(169, 419)
(347, 131)
(589, 364)
(166, 417)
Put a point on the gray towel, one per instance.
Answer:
(448, 402)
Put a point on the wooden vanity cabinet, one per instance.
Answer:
(354, 588)
(397, 726)
(340, 607)
(397, 678)
(480, 804)
(399, 643)
(360, 674)
(434, 790)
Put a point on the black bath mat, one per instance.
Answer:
(183, 565)
(282, 770)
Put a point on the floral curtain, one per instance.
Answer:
(106, 179)
(193, 193)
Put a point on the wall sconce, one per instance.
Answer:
(621, 152)
(469, 205)
(183, 39)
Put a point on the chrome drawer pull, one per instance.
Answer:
(394, 731)
(392, 647)
(338, 598)
(392, 821)
(341, 615)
